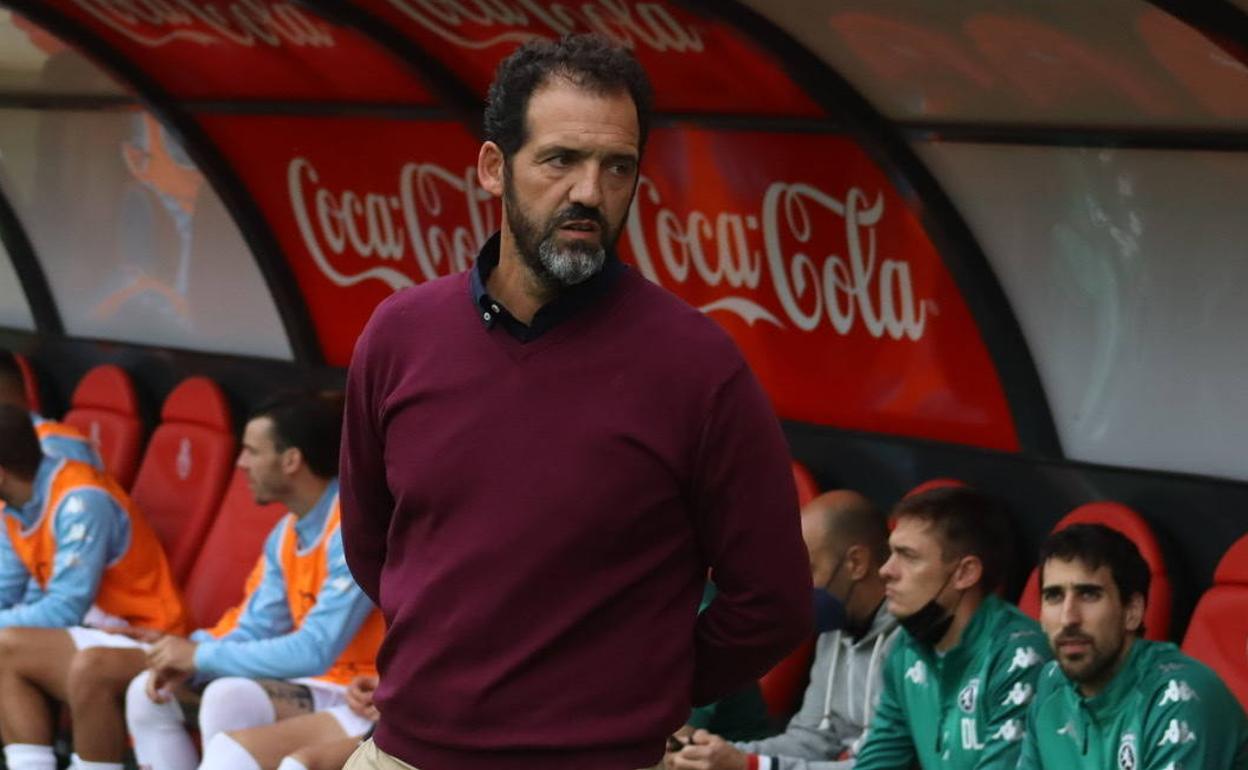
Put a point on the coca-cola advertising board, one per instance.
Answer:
(247, 49)
(795, 243)
(696, 64)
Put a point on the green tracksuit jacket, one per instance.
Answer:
(962, 710)
(1162, 711)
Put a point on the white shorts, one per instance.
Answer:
(85, 638)
(332, 698)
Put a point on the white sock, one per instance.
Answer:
(225, 753)
(290, 763)
(29, 756)
(81, 764)
(160, 737)
(233, 703)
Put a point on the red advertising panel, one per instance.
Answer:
(247, 49)
(795, 243)
(697, 65)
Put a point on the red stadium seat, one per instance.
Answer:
(1131, 524)
(930, 484)
(185, 469)
(30, 382)
(807, 489)
(230, 550)
(1218, 631)
(783, 684)
(105, 408)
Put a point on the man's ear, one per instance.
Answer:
(969, 572)
(291, 461)
(857, 562)
(1133, 615)
(490, 168)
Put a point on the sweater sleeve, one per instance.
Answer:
(364, 494)
(746, 518)
(889, 744)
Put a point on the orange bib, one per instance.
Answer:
(137, 587)
(305, 575)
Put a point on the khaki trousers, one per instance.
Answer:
(369, 757)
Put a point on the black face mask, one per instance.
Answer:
(929, 624)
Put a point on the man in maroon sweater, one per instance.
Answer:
(544, 455)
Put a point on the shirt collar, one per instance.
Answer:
(565, 305)
(308, 529)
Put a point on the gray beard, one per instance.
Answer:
(569, 265)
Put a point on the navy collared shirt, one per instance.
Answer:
(565, 305)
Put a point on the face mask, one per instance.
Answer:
(830, 612)
(931, 622)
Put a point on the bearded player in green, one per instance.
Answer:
(1112, 699)
(959, 680)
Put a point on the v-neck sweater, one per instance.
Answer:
(536, 521)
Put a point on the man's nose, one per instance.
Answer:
(1071, 616)
(587, 190)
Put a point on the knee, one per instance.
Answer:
(142, 711)
(10, 645)
(88, 676)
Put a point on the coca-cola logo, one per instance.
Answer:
(771, 266)
(721, 251)
(477, 24)
(154, 23)
(412, 221)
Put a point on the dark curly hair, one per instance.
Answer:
(1097, 545)
(591, 62)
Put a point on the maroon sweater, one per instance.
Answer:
(536, 521)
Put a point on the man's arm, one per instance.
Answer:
(264, 611)
(85, 521)
(1010, 690)
(363, 492)
(889, 743)
(748, 527)
(13, 574)
(340, 609)
(1193, 722)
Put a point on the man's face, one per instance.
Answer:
(916, 569)
(825, 555)
(262, 462)
(566, 191)
(1085, 619)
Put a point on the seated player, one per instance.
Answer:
(56, 438)
(958, 682)
(94, 560)
(1112, 699)
(847, 541)
(304, 631)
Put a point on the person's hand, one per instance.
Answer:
(172, 654)
(360, 697)
(706, 751)
(144, 635)
(161, 684)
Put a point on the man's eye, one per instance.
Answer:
(622, 168)
(1051, 597)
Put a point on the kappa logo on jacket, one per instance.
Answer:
(1177, 692)
(1177, 732)
(1018, 695)
(1024, 658)
(917, 673)
(1011, 731)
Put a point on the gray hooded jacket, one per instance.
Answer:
(844, 688)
